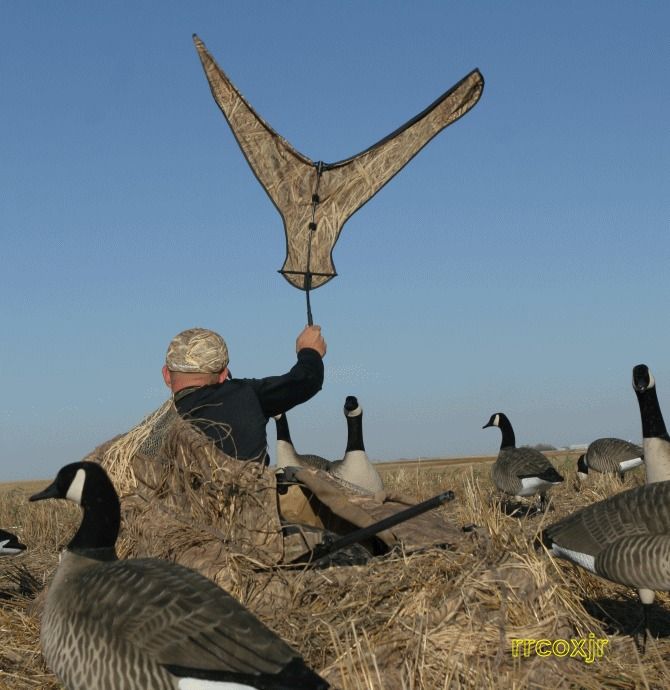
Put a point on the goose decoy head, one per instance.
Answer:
(494, 420)
(87, 485)
(582, 467)
(642, 378)
(351, 406)
(70, 481)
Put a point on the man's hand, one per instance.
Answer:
(311, 337)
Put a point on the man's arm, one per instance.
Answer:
(278, 394)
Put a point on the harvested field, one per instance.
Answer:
(436, 619)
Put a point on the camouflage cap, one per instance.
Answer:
(197, 350)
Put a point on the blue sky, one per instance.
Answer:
(517, 264)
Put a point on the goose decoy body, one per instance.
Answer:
(655, 439)
(147, 623)
(520, 471)
(9, 544)
(610, 456)
(355, 467)
(624, 539)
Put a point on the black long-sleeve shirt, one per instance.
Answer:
(234, 413)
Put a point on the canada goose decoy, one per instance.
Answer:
(610, 456)
(9, 544)
(625, 539)
(655, 439)
(147, 623)
(286, 453)
(520, 471)
(355, 467)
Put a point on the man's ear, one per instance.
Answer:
(222, 376)
(166, 376)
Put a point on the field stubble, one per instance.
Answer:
(436, 619)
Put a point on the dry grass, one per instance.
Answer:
(437, 619)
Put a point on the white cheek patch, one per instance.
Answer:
(583, 559)
(626, 465)
(496, 421)
(357, 412)
(8, 549)
(76, 489)
(197, 684)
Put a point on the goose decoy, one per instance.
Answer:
(148, 623)
(286, 453)
(655, 439)
(520, 471)
(624, 539)
(610, 456)
(9, 544)
(355, 467)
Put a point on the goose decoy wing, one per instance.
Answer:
(188, 625)
(637, 561)
(326, 195)
(613, 454)
(528, 462)
(633, 513)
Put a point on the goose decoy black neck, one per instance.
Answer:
(87, 484)
(582, 467)
(644, 385)
(500, 420)
(354, 414)
(283, 433)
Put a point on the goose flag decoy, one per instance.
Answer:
(147, 623)
(9, 544)
(655, 439)
(315, 199)
(520, 471)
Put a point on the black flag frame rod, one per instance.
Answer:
(307, 284)
(328, 547)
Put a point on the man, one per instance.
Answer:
(234, 412)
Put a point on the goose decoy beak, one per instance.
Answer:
(52, 491)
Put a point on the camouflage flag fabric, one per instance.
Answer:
(316, 199)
